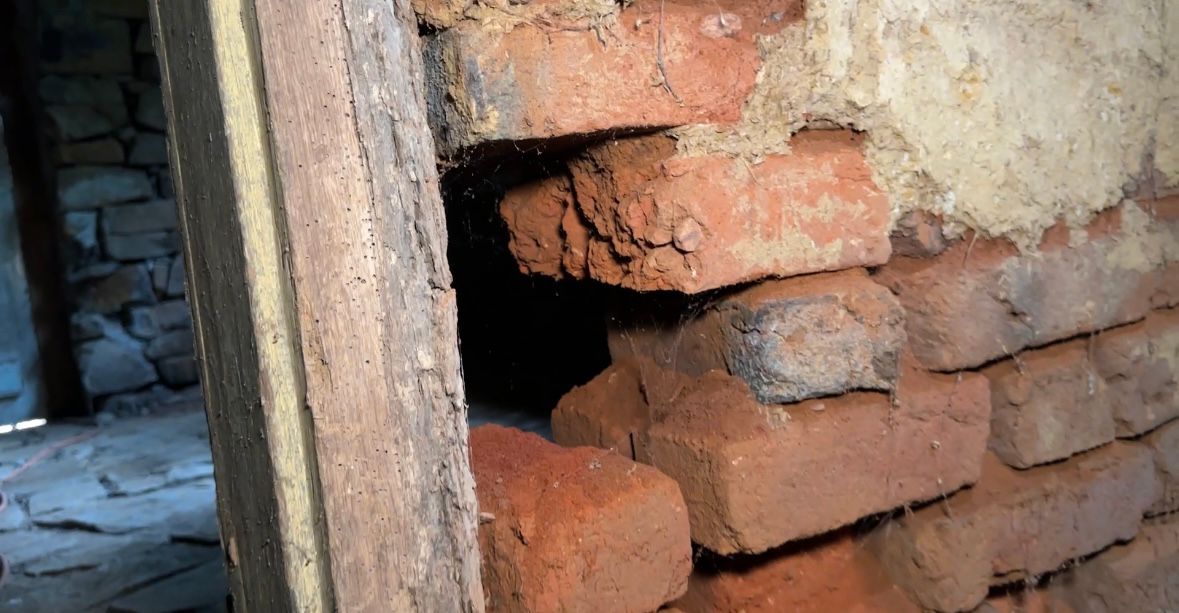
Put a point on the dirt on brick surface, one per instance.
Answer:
(789, 340)
(537, 70)
(1014, 525)
(1141, 363)
(983, 300)
(1048, 404)
(575, 529)
(654, 221)
(825, 574)
(755, 476)
(614, 409)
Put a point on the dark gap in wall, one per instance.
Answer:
(524, 340)
(35, 207)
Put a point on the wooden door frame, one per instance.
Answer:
(315, 244)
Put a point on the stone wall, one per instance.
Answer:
(100, 87)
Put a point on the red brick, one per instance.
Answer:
(1164, 444)
(613, 410)
(532, 82)
(533, 213)
(1142, 575)
(1166, 217)
(1048, 404)
(756, 476)
(982, 300)
(1049, 599)
(575, 529)
(657, 221)
(789, 340)
(1016, 524)
(831, 573)
(1141, 364)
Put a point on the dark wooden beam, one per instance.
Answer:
(316, 249)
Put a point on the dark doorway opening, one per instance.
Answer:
(525, 340)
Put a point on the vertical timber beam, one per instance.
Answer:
(317, 274)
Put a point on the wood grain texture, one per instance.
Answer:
(314, 228)
(241, 298)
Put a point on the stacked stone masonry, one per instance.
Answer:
(892, 350)
(100, 87)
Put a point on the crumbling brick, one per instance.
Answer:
(789, 340)
(614, 409)
(657, 221)
(1047, 405)
(829, 573)
(575, 529)
(491, 81)
(1142, 575)
(756, 476)
(534, 214)
(1016, 524)
(1141, 365)
(918, 235)
(1164, 444)
(982, 300)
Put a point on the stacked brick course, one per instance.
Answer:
(100, 88)
(863, 406)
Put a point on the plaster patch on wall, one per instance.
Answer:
(999, 116)
(1166, 157)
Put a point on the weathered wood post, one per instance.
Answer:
(316, 250)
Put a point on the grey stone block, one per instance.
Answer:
(150, 112)
(148, 322)
(74, 122)
(128, 285)
(169, 344)
(88, 326)
(104, 151)
(90, 46)
(173, 315)
(179, 371)
(126, 247)
(88, 187)
(102, 93)
(159, 274)
(176, 278)
(149, 149)
(153, 216)
(81, 228)
(139, 403)
(61, 89)
(114, 364)
(142, 324)
(167, 189)
(90, 272)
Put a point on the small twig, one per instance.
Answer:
(659, 57)
(969, 248)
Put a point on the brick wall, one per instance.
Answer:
(900, 343)
(100, 88)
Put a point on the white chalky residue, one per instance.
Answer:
(1000, 116)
